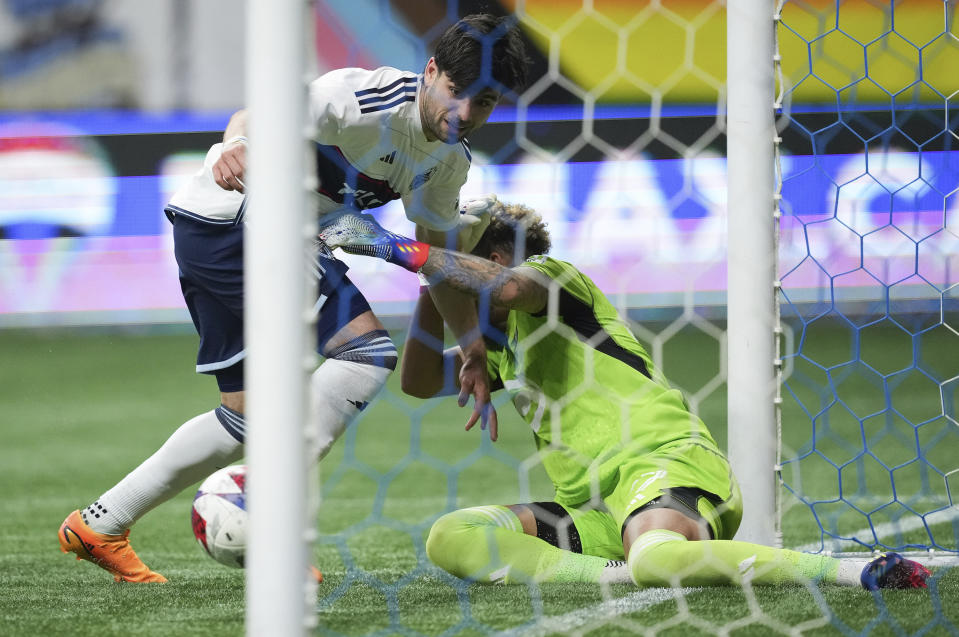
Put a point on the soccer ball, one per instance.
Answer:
(219, 515)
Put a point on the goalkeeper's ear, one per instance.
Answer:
(500, 258)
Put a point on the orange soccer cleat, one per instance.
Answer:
(112, 553)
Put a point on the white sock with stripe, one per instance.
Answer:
(339, 391)
(198, 448)
(350, 377)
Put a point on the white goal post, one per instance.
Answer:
(751, 263)
(277, 334)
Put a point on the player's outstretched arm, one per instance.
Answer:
(520, 288)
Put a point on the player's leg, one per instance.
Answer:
(209, 441)
(359, 357)
(670, 542)
(542, 542)
(682, 536)
(668, 547)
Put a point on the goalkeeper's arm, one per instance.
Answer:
(521, 288)
(426, 369)
(458, 310)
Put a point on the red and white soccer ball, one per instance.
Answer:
(219, 515)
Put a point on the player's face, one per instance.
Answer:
(447, 111)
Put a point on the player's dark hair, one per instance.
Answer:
(483, 50)
(513, 225)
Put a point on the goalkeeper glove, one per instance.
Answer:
(474, 218)
(361, 234)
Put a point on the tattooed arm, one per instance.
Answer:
(459, 312)
(520, 288)
(454, 275)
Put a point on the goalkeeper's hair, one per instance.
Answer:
(512, 224)
(460, 53)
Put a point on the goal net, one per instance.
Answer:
(869, 275)
(619, 142)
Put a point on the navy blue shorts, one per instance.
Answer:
(210, 257)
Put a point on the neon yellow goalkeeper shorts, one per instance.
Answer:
(643, 478)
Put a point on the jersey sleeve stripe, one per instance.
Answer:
(388, 105)
(389, 96)
(406, 79)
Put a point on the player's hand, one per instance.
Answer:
(229, 169)
(474, 219)
(475, 380)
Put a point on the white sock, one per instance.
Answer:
(616, 572)
(198, 448)
(850, 571)
(339, 391)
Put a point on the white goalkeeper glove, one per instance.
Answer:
(474, 218)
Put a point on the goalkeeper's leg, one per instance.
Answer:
(522, 542)
(668, 548)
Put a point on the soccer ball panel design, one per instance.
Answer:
(219, 515)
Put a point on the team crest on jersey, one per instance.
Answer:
(537, 258)
(419, 180)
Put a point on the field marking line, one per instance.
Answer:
(885, 529)
(599, 614)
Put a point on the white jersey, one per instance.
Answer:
(370, 149)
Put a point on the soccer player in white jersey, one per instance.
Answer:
(380, 135)
(642, 491)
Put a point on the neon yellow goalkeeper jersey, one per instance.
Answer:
(586, 387)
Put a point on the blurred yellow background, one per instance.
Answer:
(635, 50)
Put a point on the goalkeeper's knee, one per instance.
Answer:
(656, 556)
(459, 542)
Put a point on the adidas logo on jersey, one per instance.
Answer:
(388, 158)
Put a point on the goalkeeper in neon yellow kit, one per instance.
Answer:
(643, 493)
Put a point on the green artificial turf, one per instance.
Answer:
(78, 409)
